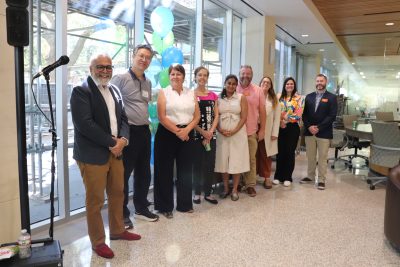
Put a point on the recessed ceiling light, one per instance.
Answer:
(389, 24)
(364, 77)
(322, 50)
(334, 64)
(352, 63)
(304, 35)
(361, 73)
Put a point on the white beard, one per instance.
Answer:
(101, 81)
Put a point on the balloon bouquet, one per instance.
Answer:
(162, 22)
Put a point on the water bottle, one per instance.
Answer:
(207, 146)
(24, 244)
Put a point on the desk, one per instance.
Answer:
(363, 131)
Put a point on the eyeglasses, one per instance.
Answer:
(104, 67)
(143, 57)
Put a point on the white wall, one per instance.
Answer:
(312, 66)
(10, 222)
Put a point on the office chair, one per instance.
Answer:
(339, 142)
(385, 151)
(354, 142)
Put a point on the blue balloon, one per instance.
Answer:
(153, 70)
(162, 21)
(171, 55)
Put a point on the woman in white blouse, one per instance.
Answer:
(178, 113)
(269, 145)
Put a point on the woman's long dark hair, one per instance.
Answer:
(230, 76)
(284, 93)
(271, 92)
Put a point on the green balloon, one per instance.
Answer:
(153, 110)
(160, 44)
(164, 78)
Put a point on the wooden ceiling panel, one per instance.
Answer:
(360, 24)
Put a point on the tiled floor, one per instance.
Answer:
(297, 226)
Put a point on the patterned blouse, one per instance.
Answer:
(206, 106)
(292, 107)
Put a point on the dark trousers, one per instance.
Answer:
(203, 167)
(136, 157)
(168, 149)
(287, 143)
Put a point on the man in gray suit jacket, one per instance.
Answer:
(101, 132)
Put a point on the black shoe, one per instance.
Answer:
(168, 214)
(224, 194)
(147, 216)
(197, 201)
(211, 200)
(321, 186)
(306, 180)
(128, 223)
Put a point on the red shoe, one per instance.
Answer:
(104, 251)
(126, 236)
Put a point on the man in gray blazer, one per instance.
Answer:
(101, 132)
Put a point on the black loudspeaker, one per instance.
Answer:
(48, 254)
(17, 24)
(18, 3)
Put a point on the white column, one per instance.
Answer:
(61, 111)
(9, 183)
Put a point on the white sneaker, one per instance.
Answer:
(287, 183)
(275, 182)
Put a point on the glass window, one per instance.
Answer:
(236, 45)
(89, 35)
(95, 27)
(214, 36)
(40, 53)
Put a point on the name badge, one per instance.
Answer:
(145, 94)
(325, 100)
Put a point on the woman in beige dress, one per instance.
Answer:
(269, 145)
(232, 137)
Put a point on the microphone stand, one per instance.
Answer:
(53, 166)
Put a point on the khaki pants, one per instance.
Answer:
(314, 145)
(97, 178)
(250, 176)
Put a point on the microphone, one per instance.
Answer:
(61, 61)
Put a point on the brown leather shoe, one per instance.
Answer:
(126, 236)
(104, 251)
(251, 191)
(267, 183)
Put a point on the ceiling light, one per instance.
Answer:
(322, 50)
(334, 64)
(364, 77)
(361, 73)
(352, 63)
(389, 24)
(398, 77)
(304, 35)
